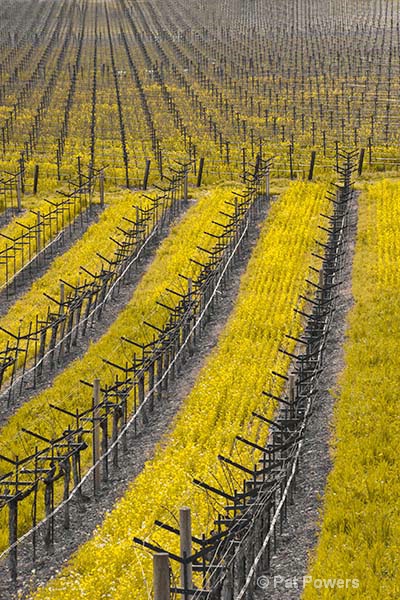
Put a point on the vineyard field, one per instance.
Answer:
(199, 215)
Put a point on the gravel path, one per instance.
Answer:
(289, 564)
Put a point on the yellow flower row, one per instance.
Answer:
(359, 539)
(219, 407)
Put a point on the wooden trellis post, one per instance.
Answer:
(361, 161)
(49, 503)
(66, 469)
(151, 385)
(185, 529)
(185, 186)
(19, 192)
(312, 165)
(35, 179)
(146, 174)
(96, 437)
(162, 588)
(101, 185)
(115, 422)
(200, 172)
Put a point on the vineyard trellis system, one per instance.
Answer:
(238, 550)
(147, 377)
(39, 241)
(196, 85)
(78, 306)
(10, 195)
